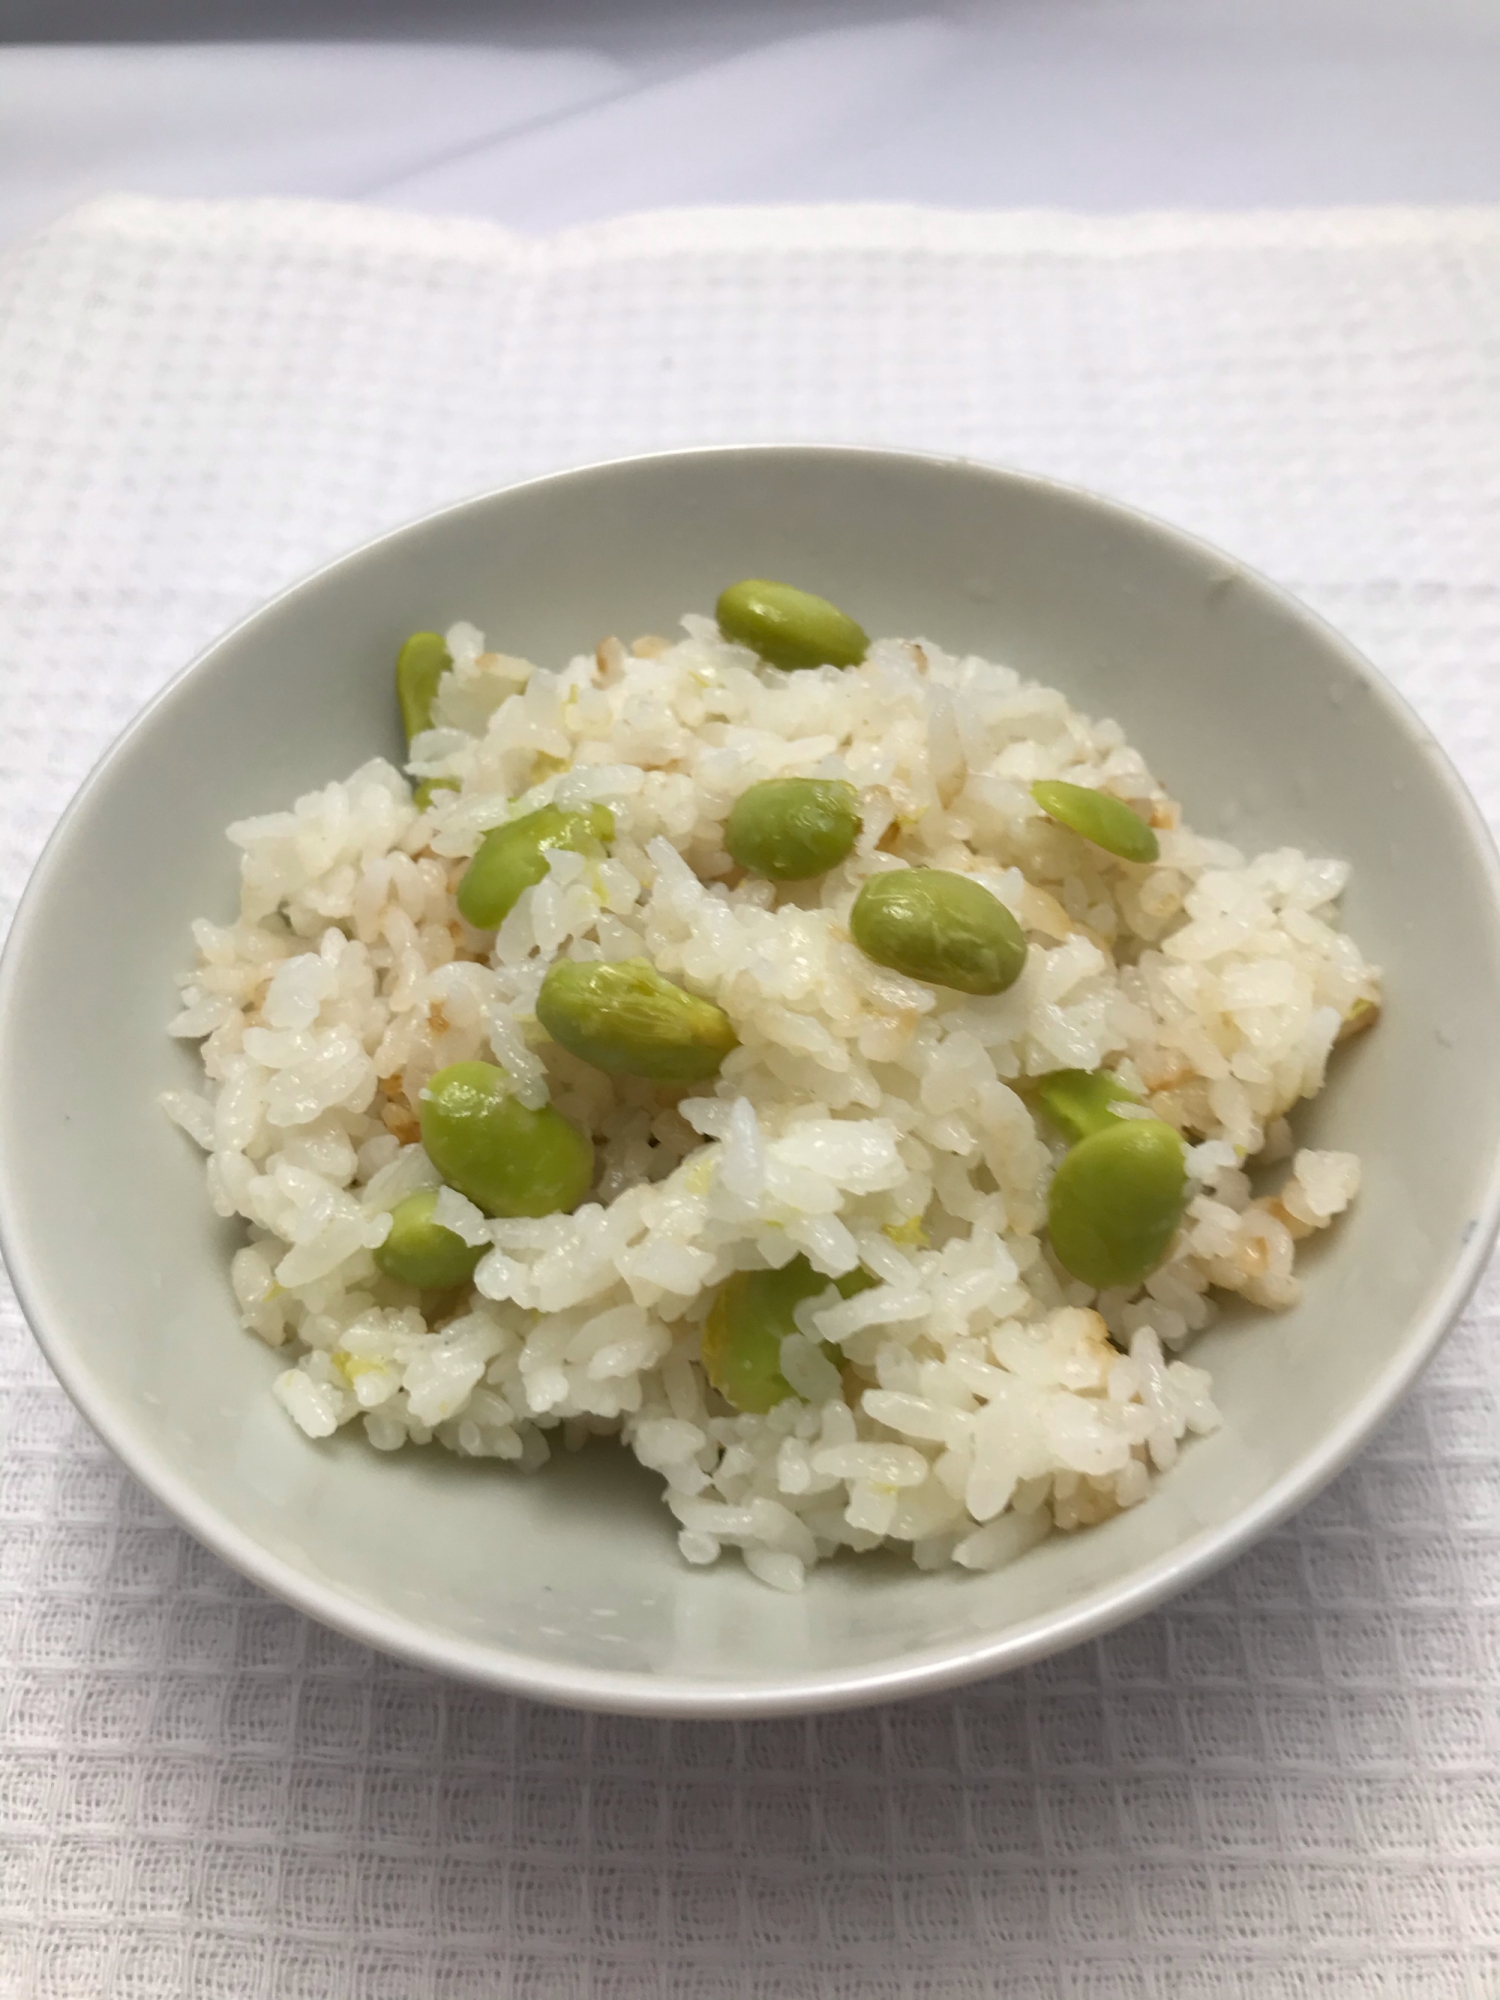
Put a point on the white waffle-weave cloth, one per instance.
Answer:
(1284, 1785)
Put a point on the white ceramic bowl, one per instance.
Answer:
(568, 1585)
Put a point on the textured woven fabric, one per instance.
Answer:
(1285, 1784)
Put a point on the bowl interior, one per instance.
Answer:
(1265, 725)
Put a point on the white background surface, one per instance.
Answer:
(545, 112)
(1286, 1785)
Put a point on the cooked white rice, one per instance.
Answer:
(984, 1396)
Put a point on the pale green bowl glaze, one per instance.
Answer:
(568, 1586)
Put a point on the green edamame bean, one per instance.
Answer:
(1108, 822)
(1116, 1201)
(422, 1252)
(1078, 1101)
(943, 928)
(513, 858)
(625, 1018)
(508, 1159)
(422, 793)
(752, 1313)
(790, 828)
(420, 665)
(789, 628)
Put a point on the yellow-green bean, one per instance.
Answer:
(622, 1016)
(507, 1158)
(788, 829)
(943, 928)
(752, 1313)
(1101, 818)
(1116, 1202)
(512, 858)
(789, 628)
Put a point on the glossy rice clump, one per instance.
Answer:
(951, 1387)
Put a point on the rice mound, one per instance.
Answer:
(983, 1396)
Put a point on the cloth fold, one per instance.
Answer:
(1288, 1781)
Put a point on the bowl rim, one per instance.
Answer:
(929, 1670)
